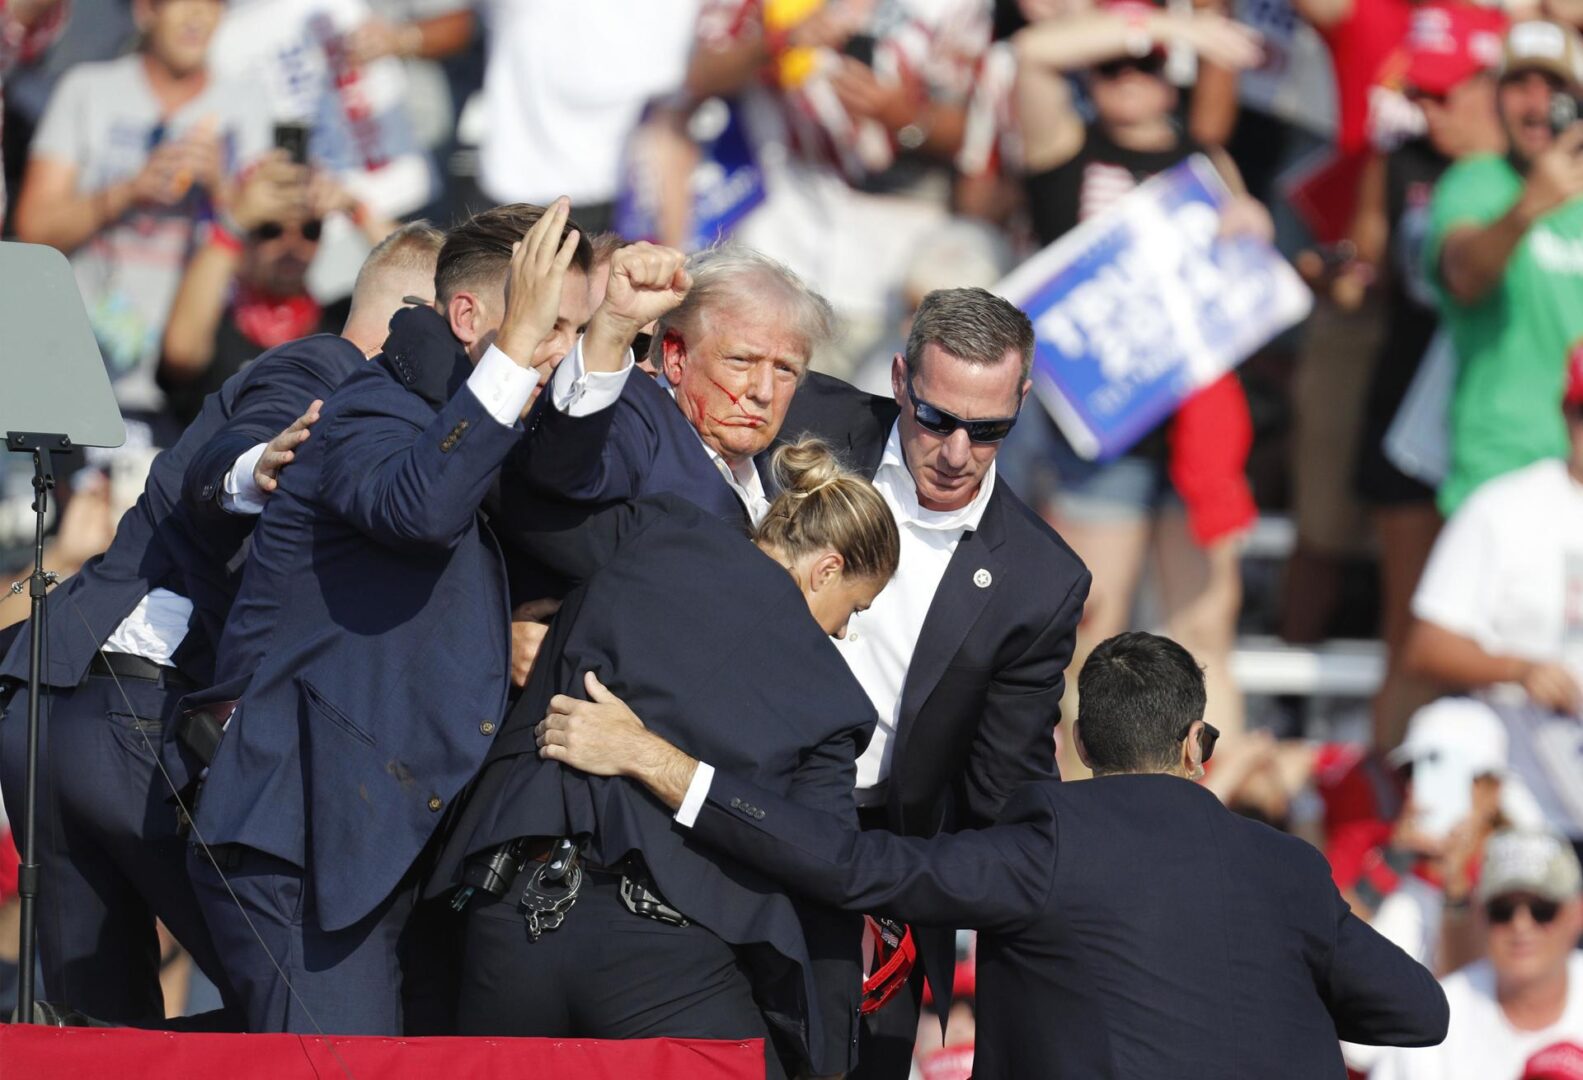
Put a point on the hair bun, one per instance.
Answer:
(806, 466)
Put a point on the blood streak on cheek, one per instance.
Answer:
(701, 409)
(735, 398)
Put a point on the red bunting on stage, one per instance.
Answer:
(40, 1053)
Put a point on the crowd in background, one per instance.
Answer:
(216, 171)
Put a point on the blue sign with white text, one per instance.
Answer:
(1139, 307)
(726, 182)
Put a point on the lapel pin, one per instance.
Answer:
(981, 578)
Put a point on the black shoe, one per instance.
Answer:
(55, 1014)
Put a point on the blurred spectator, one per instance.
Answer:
(961, 254)
(565, 86)
(419, 33)
(1112, 514)
(856, 110)
(1520, 998)
(27, 27)
(1506, 247)
(131, 156)
(246, 289)
(331, 65)
(1451, 50)
(1501, 600)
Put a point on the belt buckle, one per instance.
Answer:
(551, 890)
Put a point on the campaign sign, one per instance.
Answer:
(1138, 307)
(726, 182)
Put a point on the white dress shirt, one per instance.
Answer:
(743, 479)
(158, 625)
(880, 641)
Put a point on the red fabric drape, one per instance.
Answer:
(39, 1053)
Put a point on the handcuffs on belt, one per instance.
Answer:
(554, 884)
(551, 889)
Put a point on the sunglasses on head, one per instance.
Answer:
(937, 421)
(1153, 64)
(1503, 909)
(1207, 737)
(311, 229)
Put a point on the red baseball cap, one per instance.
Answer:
(1448, 44)
(1563, 1061)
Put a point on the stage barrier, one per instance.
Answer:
(40, 1053)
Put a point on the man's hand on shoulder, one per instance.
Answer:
(534, 284)
(282, 449)
(604, 737)
(646, 282)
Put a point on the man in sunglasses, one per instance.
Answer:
(1131, 925)
(963, 653)
(1527, 993)
(245, 290)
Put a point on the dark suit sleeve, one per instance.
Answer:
(994, 879)
(599, 458)
(407, 485)
(1015, 742)
(1376, 993)
(265, 406)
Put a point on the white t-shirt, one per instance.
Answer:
(1507, 571)
(565, 84)
(103, 119)
(1482, 1044)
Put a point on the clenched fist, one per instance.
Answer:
(646, 282)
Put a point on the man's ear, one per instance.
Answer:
(673, 356)
(898, 378)
(1077, 743)
(464, 313)
(1193, 751)
(1027, 384)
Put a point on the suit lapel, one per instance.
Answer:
(957, 604)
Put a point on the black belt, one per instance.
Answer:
(126, 666)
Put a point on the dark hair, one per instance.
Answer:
(1136, 696)
(973, 325)
(479, 249)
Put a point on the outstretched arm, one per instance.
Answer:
(996, 879)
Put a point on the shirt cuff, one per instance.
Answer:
(240, 494)
(576, 391)
(502, 386)
(697, 792)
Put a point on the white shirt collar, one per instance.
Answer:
(746, 481)
(895, 483)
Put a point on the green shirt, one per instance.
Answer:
(1512, 345)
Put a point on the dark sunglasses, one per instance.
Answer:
(937, 421)
(1503, 909)
(1207, 737)
(1153, 64)
(312, 229)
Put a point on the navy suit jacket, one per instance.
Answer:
(711, 642)
(1132, 928)
(983, 689)
(369, 642)
(166, 541)
(642, 445)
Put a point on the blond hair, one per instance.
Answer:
(823, 507)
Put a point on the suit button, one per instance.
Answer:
(736, 804)
(759, 814)
(487, 727)
(435, 802)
